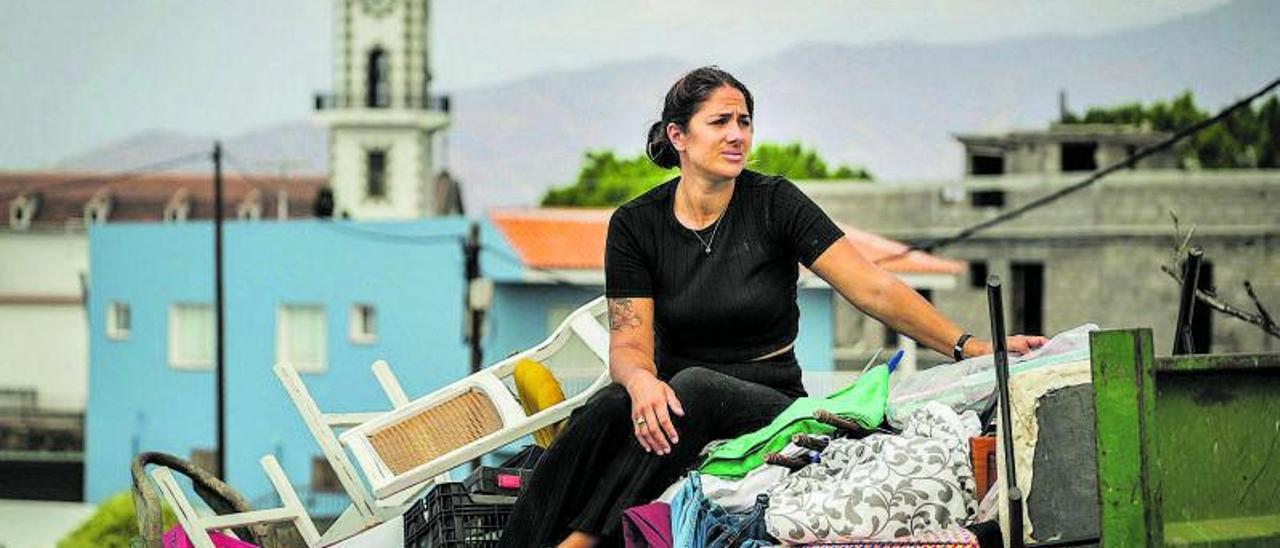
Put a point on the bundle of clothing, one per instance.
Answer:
(878, 463)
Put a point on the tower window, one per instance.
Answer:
(377, 176)
(378, 80)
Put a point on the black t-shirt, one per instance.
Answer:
(735, 303)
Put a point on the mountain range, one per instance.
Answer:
(891, 107)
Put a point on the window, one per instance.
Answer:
(191, 336)
(300, 337)
(21, 210)
(376, 177)
(978, 274)
(986, 198)
(323, 479)
(363, 325)
(986, 165)
(378, 84)
(98, 208)
(206, 459)
(119, 320)
(1079, 156)
(1028, 298)
(178, 206)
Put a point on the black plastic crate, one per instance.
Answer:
(450, 516)
(509, 478)
(490, 480)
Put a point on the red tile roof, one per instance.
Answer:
(143, 198)
(573, 239)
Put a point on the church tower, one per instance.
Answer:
(380, 116)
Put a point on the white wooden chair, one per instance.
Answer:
(365, 510)
(198, 525)
(431, 435)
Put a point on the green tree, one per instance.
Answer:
(1248, 138)
(606, 179)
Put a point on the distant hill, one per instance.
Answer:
(890, 107)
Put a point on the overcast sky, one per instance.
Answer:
(76, 74)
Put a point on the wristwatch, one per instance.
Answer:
(957, 351)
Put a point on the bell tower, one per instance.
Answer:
(380, 115)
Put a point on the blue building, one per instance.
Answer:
(330, 297)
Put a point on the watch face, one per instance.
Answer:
(378, 8)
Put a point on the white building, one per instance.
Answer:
(381, 119)
(44, 262)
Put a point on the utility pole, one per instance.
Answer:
(479, 293)
(220, 366)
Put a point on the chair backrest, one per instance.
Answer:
(480, 413)
(322, 426)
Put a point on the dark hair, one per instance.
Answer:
(683, 99)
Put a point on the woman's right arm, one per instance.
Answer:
(631, 365)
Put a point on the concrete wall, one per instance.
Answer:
(42, 316)
(1102, 248)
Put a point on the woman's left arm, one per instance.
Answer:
(882, 295)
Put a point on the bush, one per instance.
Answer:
(113, 525)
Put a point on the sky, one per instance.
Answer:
(77, 74)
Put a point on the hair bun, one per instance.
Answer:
(659, 148)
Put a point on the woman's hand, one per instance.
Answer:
(1017, 344)
(650, 399)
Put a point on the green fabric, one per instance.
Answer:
(862, 402)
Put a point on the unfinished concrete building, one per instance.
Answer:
(1094, 256)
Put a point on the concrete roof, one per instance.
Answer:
(62, 195)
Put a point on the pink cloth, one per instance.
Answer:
(647, 526)
(177, 538)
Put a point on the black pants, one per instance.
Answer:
(596, 469)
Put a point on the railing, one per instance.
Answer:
(42, 431)
(431, 103)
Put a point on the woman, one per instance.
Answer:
(700, 275)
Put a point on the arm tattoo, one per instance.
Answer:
(621, 315)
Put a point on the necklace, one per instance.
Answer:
(706, 244)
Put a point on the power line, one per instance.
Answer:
(1096, 176)
(338, 225)
(117, 177)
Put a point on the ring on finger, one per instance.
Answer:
(640, 421)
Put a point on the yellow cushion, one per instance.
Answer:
(538, 389)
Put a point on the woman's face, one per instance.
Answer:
(718, 139)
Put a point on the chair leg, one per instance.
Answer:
(301, 520)
(187, 516)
